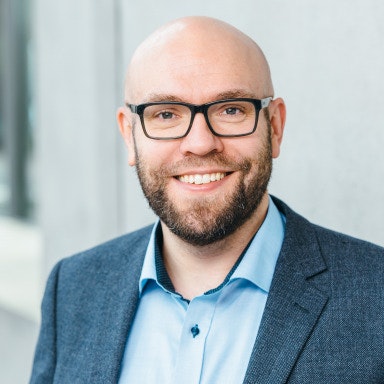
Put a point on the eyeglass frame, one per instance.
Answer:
(259, 104)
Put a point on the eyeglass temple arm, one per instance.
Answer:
(132, 107)
(265, 102)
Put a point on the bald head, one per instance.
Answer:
(195, 48)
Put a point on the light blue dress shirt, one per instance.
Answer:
(209, 339)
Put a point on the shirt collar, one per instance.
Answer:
(149, 267)
(257, 264)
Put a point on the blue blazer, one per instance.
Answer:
(323, 321)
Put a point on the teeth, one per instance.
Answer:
(201, 179)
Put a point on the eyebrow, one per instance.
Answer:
(156, 97)
(235, 93)
(229, 94)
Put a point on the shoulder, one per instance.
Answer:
(339, 281)
(336, 248)
(126, 251)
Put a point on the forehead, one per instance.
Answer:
(196, 68)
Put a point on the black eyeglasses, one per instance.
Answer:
(225, 118)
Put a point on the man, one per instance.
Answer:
(230, 285)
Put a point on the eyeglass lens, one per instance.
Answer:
(225, 118)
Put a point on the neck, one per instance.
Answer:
(194, 270)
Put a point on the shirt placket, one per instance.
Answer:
(197, 323)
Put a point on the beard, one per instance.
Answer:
(206, 220)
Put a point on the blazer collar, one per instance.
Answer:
(294, 305)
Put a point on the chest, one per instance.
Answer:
(208, 340)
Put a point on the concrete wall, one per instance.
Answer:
(326, 59)
(77, 138)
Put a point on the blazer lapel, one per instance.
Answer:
(294, 304)
(117, 303)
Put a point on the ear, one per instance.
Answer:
(277, 114)
(126, 129)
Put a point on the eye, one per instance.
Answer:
(232, 111)
(165, 112)
(165, 115)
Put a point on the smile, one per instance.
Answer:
(201, 179)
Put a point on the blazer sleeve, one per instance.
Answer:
(44, 364)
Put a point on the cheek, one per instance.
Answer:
(258, 155)
(155, 153)
(250, 151)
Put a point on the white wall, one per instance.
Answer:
(326, 59)
(77, 140)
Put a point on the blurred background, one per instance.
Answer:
(64, 181)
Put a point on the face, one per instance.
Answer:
(202, 187)
(199, 217)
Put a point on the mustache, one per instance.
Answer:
(209, 160)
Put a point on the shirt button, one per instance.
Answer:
(195, 330)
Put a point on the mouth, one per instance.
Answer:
(205, 178)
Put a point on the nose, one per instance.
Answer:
(200, 140)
